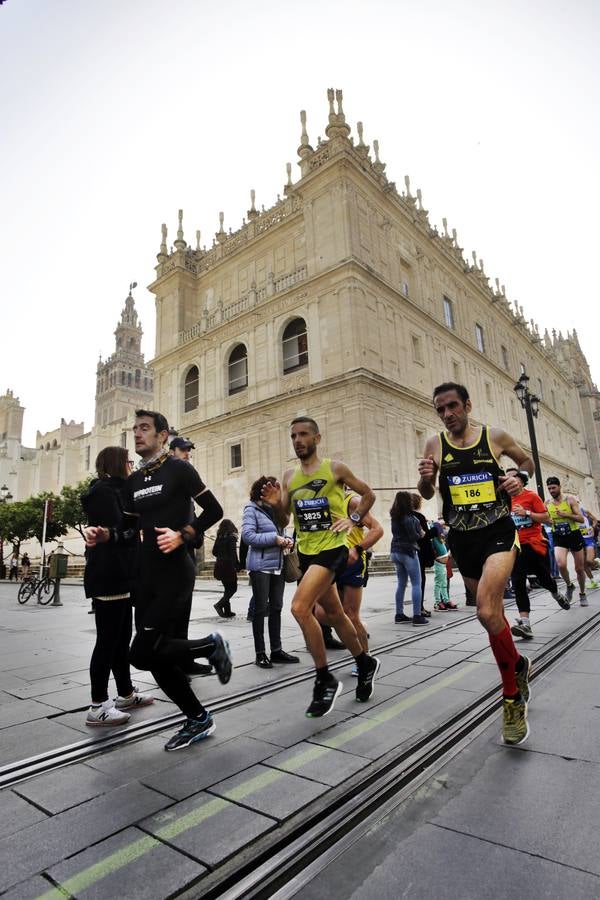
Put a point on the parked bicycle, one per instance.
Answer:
(44, 588)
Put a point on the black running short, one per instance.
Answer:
(573, 540)
(335, 560)
(470, 549)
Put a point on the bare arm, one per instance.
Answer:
(503, 443)
(367, 496)
(428, 467)
(374, 528)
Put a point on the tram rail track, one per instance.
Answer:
(19, 770)
(279, 864)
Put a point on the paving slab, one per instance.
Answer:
(20, 711)
(209, 828)
(553, 805)
(133, 761)
(16, 813)
(28, 689)
(444, 659)
(207, 763)
(31, 738)
(31, 850)
(362, 737)
(112, 869)
(270, 791)
(587, 662)
(28, 890)
(411, 675)
(321, 764)
(65, 788)
(437, 864)
(287, 732)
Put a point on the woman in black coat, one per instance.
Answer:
(108, 580)
(227, 566)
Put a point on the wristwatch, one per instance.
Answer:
(354, 517)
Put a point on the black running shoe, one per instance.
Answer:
(563, 602)
(400, 617)
(324, 696)
(366, 680)
(570, 592)
(221, 658)
(194, 730)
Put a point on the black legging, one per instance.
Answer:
(267, 593)
(161, 598)
(111, 651)
(229, 588)
(529, 562)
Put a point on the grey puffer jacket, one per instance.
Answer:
(260, 532)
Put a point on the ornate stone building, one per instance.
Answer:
(67, 454)
(343, 301)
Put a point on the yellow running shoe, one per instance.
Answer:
(515, 729)
(523, 676)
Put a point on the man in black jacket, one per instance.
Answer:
(160, 492)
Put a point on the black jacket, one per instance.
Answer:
(110, 567)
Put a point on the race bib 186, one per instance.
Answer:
(313, 515)
(472, 489)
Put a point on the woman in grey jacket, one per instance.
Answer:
(266, 543)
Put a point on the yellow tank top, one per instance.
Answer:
(317, 501)
(560, 524)
(354, 537)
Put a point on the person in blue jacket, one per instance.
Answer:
(266, 542)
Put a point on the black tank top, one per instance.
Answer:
(469, 484)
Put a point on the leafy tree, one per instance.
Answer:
(70, 511)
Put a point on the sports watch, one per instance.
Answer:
(354, 517)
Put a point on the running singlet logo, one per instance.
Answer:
(313, 515)
(472, 490)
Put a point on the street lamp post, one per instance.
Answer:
(531, 404)
(5, 497)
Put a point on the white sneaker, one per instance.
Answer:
(134, 701)
(583, 600)
(106, 714)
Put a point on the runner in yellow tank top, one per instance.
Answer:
(313, 493)
(565, 515)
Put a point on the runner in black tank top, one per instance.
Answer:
(482, 537)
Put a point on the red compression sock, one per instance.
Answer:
(507, 656)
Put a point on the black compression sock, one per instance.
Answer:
(362, 660)
(323, 674)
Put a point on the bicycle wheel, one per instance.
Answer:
(26, 589)
(46, 590)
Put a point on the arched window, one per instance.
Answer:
(129, 379)
(238, 369)
(138, 375)
(122, 377)
(191, 389)
(295, 346)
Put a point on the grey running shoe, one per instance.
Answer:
(515, 729)
(134, 701)
(521, 630)
(324, 696)
(220, 658)
(194, 730)
(570, 592)
(583, 600)
(523, 675)
(563, 602)
(106, 715)
(366, 680)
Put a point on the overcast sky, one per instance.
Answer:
(114, 114)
